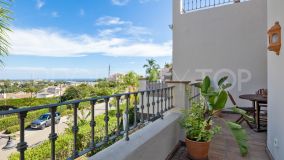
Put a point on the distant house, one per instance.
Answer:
(48, 92)
(166, 74)
(44, 95)
(115, 77)
(53, 90)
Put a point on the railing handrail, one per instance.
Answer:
(162, 101)
(193, 5)
(47, 106)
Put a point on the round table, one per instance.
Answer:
(257, 100)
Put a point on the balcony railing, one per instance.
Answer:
(161, 101)
(192, 5)
(155, 85)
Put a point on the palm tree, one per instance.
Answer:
(152, 69)
(5, 20)
(168, 65)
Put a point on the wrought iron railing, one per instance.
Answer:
(192, 5)
(155, 85)
(194, 93)
(162, 100)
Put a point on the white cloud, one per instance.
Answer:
(109, 32)
(108, 20)
(39, 4)
(44, 42)
(49, 72)
(120, 26)
(120, 2)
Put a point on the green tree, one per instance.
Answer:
(71, 92)
(131, 79)
(5, 21)
(168, 65)
(153, 76)
(31, 88)
(152, 69)
(77, 92)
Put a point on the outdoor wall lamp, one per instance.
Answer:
(274, 34)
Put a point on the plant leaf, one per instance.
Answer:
(243, 113)
(222, 80)
(225, 86)
(205, 84)
(221, 100)
(240, 136)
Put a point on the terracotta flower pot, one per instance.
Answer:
(197, 150)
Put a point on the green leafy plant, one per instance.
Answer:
(196, 125)
(5, 20)
(215, 100)
(152, 70)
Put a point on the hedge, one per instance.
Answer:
(11, 123)
(28, 102)
(16, 128)
(64, 142)
(13, 120)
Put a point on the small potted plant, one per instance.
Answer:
(199, 131)
(198, 121)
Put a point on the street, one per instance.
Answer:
(34, 137)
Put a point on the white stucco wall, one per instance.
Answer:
(276, 86)
(231, 37)
(153, 142)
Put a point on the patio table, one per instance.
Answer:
(257, 100)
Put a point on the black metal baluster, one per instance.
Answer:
(172, 97)
(153, 103)
(52, 135)
(127, 118)
(106, 120)
(22, 145)
(142, 107)
(135, 110)
(169, 99)
(158, 102)
(93, 124)
(118, 115)
(75, 130)
(148, 106)
(162, 106)
(166, 99)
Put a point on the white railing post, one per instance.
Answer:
(180, 93)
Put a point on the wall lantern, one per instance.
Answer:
(274, 34)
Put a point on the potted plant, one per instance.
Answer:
(199, 131)
(198, 121)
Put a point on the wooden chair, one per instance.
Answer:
(263, 106)
(249, 110)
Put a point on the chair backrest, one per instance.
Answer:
(262, 92)
(232, 98)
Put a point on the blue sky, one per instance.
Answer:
(78, 39)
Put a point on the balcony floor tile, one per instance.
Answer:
(223, 146)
